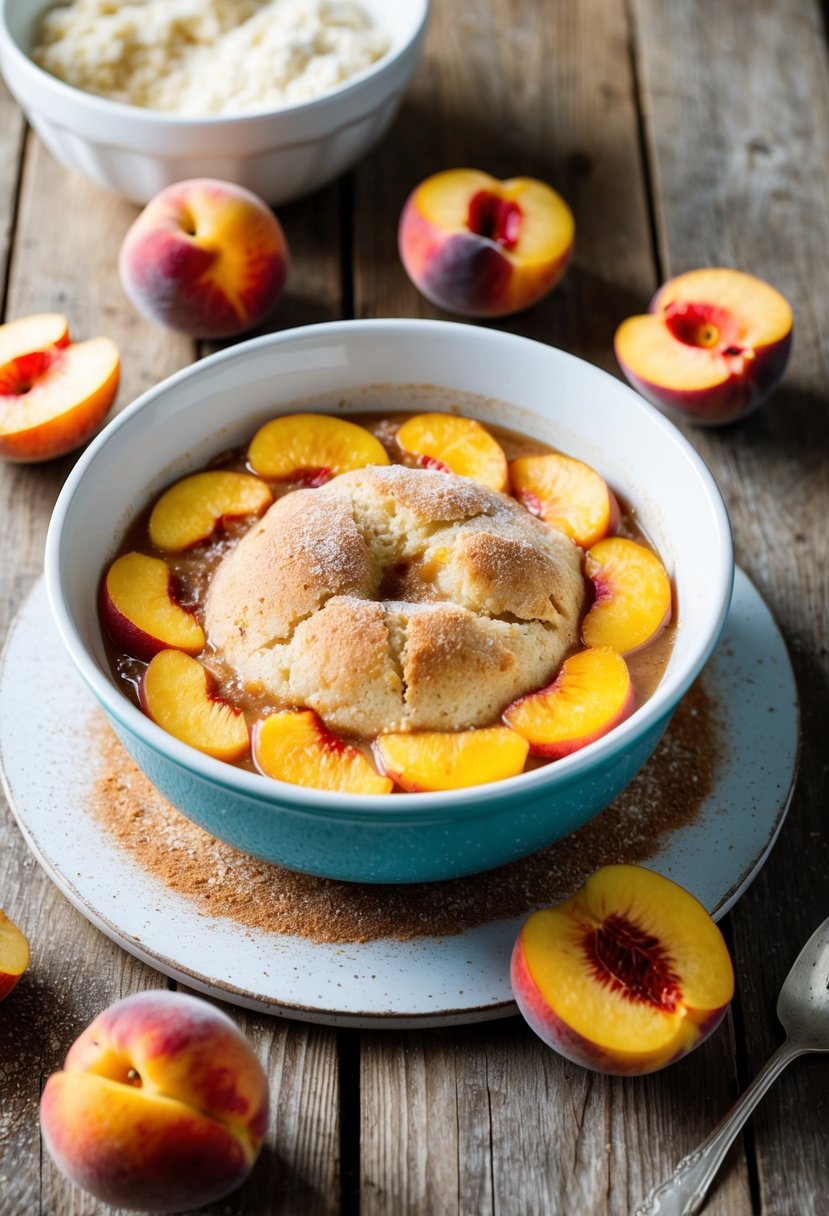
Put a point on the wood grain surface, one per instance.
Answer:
(683, 134)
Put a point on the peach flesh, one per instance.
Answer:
(310, 449)
(52, 401)
(178, 693)
(36, 332)
(568, 494)
(451, 444)
(436, 760)
(195, 507)
(591, 694)
(632, 596)
(295, 746)
(140, 611)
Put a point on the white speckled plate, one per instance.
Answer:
(423, 982)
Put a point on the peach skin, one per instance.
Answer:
(161, 1105)
(482, 247)
(632, 595)
(54, 394)
(14, 954)
(205, 257)
(712, 347)
(626, 976)
(296, 746)
(139, 610)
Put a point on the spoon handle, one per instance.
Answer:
(684, 1192)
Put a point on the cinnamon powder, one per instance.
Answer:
(221, 881)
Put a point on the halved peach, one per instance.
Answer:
(482, 247)
(14, 954)
(52, 399)
(632, 595)
(191, 510)
(450, 760)
(592, 693)
(712, 346)
(567, 494)
(455, 445)
(626, 976)
(294, 745)
(312, 448)
(139, 610)
(177, 692)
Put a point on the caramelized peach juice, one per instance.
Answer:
(191, 570)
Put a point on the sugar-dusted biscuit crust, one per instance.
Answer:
(397, 599)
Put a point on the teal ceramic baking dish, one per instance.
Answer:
(380, 365)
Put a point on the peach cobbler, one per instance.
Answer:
(410, 601)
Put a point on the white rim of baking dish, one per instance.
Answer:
(470, 800)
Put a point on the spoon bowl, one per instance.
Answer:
(803, 1004)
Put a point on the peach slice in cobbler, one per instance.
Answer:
(312, 448)
(458, 445)
(192, 509)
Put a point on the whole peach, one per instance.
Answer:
(161, 1105)
(205, 257)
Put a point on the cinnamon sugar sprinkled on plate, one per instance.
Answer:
(222, 881)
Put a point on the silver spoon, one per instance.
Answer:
(803, 1008)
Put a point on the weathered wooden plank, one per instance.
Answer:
(737, 104)
(486, 1120)
(12, 130)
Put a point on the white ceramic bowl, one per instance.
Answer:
(279, 154)
(376, 365)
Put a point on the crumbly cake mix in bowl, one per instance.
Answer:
(203, 57)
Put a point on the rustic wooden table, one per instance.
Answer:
(683, 134)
